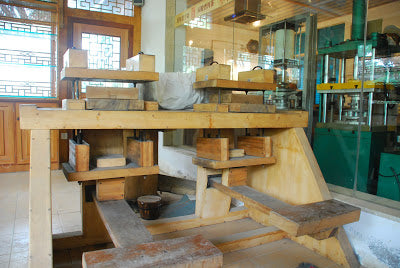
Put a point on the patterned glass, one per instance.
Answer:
(118, 7)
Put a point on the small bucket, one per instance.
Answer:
(149, 206)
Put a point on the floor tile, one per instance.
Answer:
(6, 227)
(19, 256)
(20, 243)
(18, 264)
(5, 244)
(22, 210)
(4, 259)
(4, 265)
(67, 202)
(21, 226)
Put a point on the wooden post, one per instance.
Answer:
(40, 233)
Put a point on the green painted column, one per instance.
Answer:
(358, 21)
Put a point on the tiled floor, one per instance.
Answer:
(14, 206)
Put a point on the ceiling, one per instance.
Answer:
(277, 10)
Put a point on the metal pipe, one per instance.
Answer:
(340, 106)
(385, 114)
(325, 97)
(373, 65)
(326, 69)
(358, 20)
(370, 100)
(331, 117)
(355, 73)
(342, 72)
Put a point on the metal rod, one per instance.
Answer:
(270, 41)
(331, 117)
(340, 106)
(300, 44)
(370, 100)
(325, 97)
(385, 114)
(326, 69)
(373, 65)
(284, 55)
(342, 72)
(355, 73)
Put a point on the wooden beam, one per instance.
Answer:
(216, 204)
(234, 85)
(234, 176)
(211, 107)
(237, 98)
(189, 251)
(234, 162)
(40, 234)
(124, 227)
(114, 105)
(140, 152)
(256, 146)
(131, 93)
(170, 225)
(33, 118)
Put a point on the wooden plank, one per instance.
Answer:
(140, 152)
(295, 220)
(251, 108)
(79, 155)
(190, 251)
(255, 145)
(236, 153)
(124, 227)
(110, 189)
(219, 133)
(107, 75)
(216, 204)
(249, 239)
(72, 104)
(234, 176)
(111, 160)
(201, 187)
(237, 98)
(216, 71)
(211, 107)
(150, 106)
(33, 118)
(213, 148)
(266, 76)
(130, 169)
(76, 58)
(234, 162)
(121, 93)
(170, 225)
(141, 62)
(40, 234)
(114, 105)
(234, 85)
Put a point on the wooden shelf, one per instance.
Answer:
(130, 169)
(234, 85)
(33, 118)
(70, 73)
(244, 161)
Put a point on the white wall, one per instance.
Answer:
(153, 31)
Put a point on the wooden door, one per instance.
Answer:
(23, 137)
(7, 127)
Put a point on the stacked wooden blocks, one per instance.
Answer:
(113, 99)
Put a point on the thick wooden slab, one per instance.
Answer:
(114, 105)
(112, 93)
(111, 160)
(124, 227)
(190, 251)
(211, 107)
(107, 75)
(234, 85)
(72, 104)
(233, 162)
(150, 106)
(215, 71)
(236, 153)
(237, 98)
(110, 189)
(234, 176)
(33, 118)
(251, 108)
(130, 169)
(213, 148)
(255, 145)
(266, 76)
(296, 220)
(79, 155)
(140, 152)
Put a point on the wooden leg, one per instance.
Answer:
(40, 233)
(201, 187)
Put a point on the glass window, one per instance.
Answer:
(118, 7)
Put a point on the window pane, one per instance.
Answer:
(118, 7)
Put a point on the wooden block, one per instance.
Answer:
(188, 252)
(234, 162)
(213, 148)
(256, 146)
(110, 189)
(121, 93)
(236, 153)
(140, 152)
(211, 107)
(234, 176)
(114, 105)
(141, 62)
(264, 76)
(76, 58)
(215, 71)
(216, 204)
(150, 106)
(219, 133)
(79, 155)
(72, 104)
(112, 160)
(237, 98)
(251, 108)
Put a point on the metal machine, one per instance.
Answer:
(346, 104)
